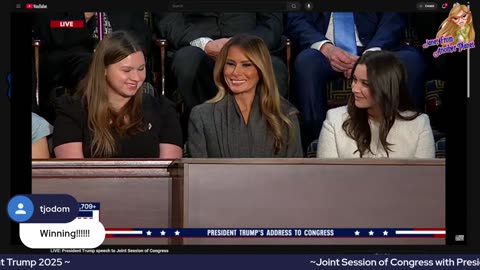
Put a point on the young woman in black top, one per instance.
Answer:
(111, 117)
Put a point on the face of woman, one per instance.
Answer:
(360, 88)
(239, 72)
(460, 18)
(124, 78)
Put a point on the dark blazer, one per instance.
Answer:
(375, 29)
(217, 130)
(181, 28)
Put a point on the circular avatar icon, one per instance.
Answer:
(20, 208)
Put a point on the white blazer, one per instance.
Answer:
(409, 139)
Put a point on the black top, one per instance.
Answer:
(161, 120)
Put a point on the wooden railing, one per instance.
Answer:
(236, 193)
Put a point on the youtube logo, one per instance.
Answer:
(29, 6)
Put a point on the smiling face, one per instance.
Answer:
(361, 90)
(239, 72)
(125, 77)
(460, 18)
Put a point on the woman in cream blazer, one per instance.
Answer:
(379, 120)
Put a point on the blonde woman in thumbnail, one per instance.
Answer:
(458, 25)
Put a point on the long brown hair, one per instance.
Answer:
(387, 84)
(257, 52)
(103, 121)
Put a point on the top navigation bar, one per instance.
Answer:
(233, 5)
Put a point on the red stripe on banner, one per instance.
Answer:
(276, 237)
(128, 236)
(439, 236)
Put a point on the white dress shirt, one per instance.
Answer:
(331, 39)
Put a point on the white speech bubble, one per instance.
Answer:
(80, 233)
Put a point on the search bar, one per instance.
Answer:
(207, 6)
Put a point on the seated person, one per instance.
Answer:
(113, 117)
(41, 129)
(331, 43)
(380, 120)
(196, 38)
(247, 118)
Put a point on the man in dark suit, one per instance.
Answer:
(66, 53)
(196, 38)
(323, 58)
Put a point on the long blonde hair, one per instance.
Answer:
(103, 121)
(257, 52)
(450, 28)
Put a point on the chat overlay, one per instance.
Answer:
(56, 221)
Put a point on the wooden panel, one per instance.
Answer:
(316, 194)
(254, 193)
(132, 194)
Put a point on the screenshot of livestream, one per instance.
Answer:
(256, 126)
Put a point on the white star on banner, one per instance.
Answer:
(370, 233)
(149, 233)
(177, 233)
(357, 233)
(385, 233)
(162, 233)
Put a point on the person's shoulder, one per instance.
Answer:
(38, 121)
(203, 108)
(338, 113)
(420, 122)
(288, 108)
(157, 103)
(69, 99)
(69, 103)
(203, 113)
(422, 119)
(36, 118)
(149, 100)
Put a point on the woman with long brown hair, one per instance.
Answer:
(379, 120)
(112, 117)
(247, 118)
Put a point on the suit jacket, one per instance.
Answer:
(182, 28)
(54, 39)
(375, 29)
(218, 131)
(409, 139)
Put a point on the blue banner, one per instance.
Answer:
(277, 232)
(130, 260)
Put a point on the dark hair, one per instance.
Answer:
(387, 82)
